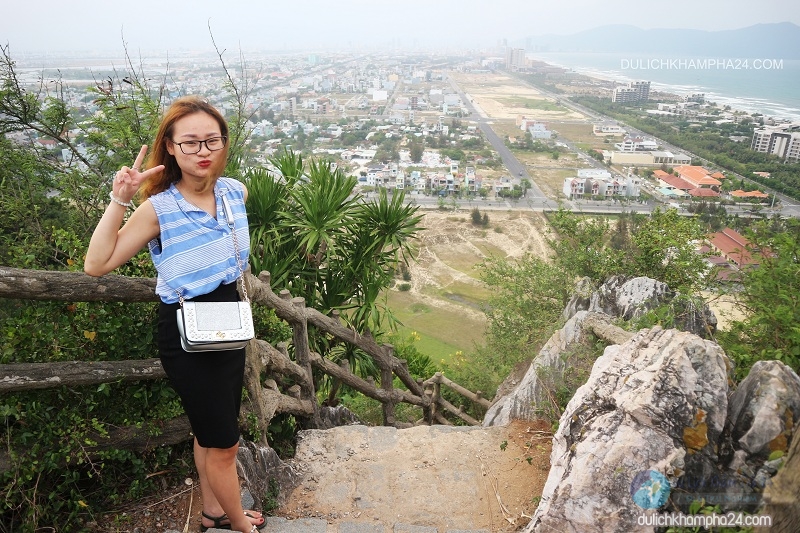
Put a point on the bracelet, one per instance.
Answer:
(118, 201)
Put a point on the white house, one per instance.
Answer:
(540, 131)
(594, 173)
(636, 144)
(608, 129)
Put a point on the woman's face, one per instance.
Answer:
(198, 162)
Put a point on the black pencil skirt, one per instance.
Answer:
(208, 383)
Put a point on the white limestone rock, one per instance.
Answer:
(657, 402)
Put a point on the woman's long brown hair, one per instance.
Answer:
(159, 155)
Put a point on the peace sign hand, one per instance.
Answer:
(128, 179)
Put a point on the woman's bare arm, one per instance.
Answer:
(111, 246)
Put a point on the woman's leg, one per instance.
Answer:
(219, 484)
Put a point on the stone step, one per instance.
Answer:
(316, 525)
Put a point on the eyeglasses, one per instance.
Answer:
(193, 147)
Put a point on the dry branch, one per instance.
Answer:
(600, 324)
(21, 284)
(32, 376)
(439, 378)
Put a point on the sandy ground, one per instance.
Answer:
(724, 307)
(447, 232)
(492, 93)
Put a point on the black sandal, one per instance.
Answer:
(217, 522)
(219, 525)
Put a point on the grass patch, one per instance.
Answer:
(443, 331)
(531, 103)
(462, 261)
(466, 293)
(506, 128)
(490, 250)
(582, 134)
(419, 308)
(551, 180)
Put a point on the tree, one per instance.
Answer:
(664, 248)
(416, 152)
(769, 300)
(31, 219)
(580, 246)
(475, 216)
(318, 239)
(528, 296)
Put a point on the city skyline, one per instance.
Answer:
(95, 25)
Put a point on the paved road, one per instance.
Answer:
(509, 160)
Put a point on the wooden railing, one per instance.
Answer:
(264, 361)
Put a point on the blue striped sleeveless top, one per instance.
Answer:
(194, 253)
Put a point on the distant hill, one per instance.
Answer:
(766, 41)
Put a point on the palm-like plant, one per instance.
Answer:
(322, 241)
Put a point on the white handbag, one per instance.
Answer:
(214, 326)
(211, 326)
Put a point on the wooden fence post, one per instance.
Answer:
(387, 377)
(303, 358)
(437, 393)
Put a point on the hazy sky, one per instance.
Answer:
(171, 25)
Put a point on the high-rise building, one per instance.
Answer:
(636, 91)
(515, 59)
(642, 89)
(624, 95)
(783, 141)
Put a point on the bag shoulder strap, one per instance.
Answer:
(229, 220)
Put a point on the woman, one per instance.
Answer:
(182, 220)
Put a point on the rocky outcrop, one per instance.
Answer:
(264, 473)
(632, 298)
(763, 409)
(656, 403)
(335, 416)
(533, 396)
(761, 417)
(780, 495)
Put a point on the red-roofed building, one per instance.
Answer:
(703, 193)
(674, 182)
(738, 193)
(699, 177)
(723, 270)
(50, 144)
(734, 247)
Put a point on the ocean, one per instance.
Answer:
(757, 85)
